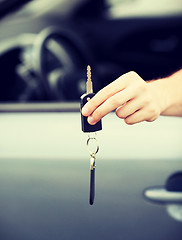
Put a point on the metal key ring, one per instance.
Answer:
(92, 153)
(92, 135)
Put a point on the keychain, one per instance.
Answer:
(92, 167)
(86, 127)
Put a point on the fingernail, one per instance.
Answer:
(91, 120)
(85, 111)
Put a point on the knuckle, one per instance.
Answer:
(147, 101)
(132, 74)
(154, 114)
(153, 111)
(151, 119)
(131, 77)
(134, 77)
(141, 87)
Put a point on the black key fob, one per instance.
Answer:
(92, 186)
(86, 127)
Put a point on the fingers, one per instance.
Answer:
(136, 117)
(143, 114)
(118, 85)
(129, 95)
(138, 110)
(111, 104)
(131, 107)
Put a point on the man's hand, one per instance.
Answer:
(129, 95)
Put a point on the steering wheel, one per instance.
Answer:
(60, 61)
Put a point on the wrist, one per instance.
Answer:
(168, 94)
(158, 89)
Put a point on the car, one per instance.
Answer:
(45, 47)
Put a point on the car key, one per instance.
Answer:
(86, 127)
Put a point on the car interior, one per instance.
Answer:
(50, 47)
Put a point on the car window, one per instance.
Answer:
(113, 36)
(135, 8)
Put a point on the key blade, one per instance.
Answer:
(89, 85)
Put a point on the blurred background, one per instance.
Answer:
(46, 45)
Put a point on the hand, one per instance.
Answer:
(130, 95)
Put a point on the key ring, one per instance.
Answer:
(92, 153)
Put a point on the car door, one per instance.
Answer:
(44, 180)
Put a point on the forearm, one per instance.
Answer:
(168, 94)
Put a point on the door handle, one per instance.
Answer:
(163, 196)
(169, 195)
